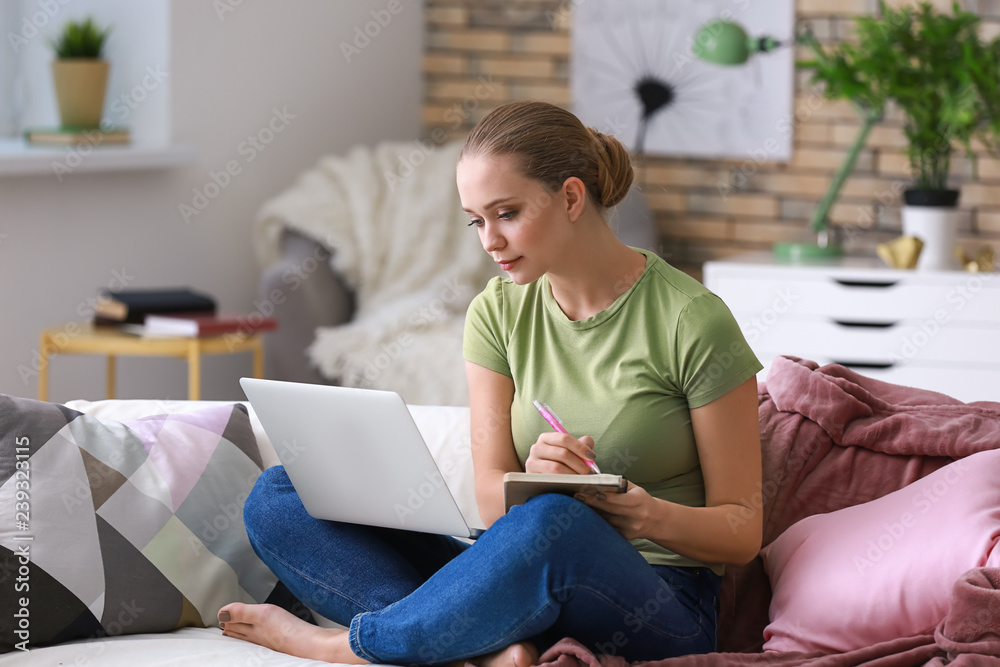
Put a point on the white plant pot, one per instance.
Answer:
(937, 227)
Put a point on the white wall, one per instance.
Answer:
(60, 242)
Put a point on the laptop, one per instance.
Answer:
(356, 455)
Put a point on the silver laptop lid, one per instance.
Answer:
(355, 455)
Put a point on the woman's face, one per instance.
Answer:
(521, 224)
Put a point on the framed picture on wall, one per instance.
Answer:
(633, 74)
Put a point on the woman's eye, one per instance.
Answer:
(507, 215)
(475, 223)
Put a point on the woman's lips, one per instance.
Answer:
(505, 265)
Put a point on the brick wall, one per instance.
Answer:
(482, 53)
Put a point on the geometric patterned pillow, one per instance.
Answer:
(111, 528)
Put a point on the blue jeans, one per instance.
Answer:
(550, 568)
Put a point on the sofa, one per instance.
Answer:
(881, 508)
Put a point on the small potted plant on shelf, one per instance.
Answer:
(945, 79)
(80, 73)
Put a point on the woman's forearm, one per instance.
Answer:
(728, 533)
(489, 495)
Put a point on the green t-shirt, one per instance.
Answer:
(627, 377)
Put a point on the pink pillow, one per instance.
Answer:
(883, 569)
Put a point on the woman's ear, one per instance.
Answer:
(575, 193)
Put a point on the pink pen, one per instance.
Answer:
(546, 412)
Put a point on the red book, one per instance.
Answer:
(193, 325)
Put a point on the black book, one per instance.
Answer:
(132, 306)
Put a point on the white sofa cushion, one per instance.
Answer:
(197, 647)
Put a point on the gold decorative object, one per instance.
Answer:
(985, 259)
(901, 253)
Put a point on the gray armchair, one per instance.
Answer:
(306, 293)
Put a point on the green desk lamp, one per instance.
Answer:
(726, 43)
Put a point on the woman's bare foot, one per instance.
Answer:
(521, 654)
(280, 630)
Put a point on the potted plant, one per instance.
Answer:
(80, 73)
(945, 79)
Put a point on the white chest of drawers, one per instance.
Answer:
(936, 330)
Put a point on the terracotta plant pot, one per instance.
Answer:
(81, 85)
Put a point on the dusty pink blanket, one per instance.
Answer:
(971, 631)
(832, 438)
(899, 653)
(856, 410)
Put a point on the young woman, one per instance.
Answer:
(649, 372)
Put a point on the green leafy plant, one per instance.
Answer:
(934, 67)
(80, 39)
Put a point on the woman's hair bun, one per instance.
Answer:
(614, 169)
(553, 145)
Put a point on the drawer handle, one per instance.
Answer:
(869, 325)
(864, 364)
(846, 282)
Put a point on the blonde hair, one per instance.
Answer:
(552, 145)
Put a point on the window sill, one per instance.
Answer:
(20, 158)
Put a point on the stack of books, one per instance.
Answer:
(173, 312)
(132, 306)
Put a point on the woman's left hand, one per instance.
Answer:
(629, 513)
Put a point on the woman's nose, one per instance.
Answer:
(490, 237)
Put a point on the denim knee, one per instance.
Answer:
(259, 508)
(550, 503)
(555, 517)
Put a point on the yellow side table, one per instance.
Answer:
(84, 338)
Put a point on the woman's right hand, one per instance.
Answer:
(559, 453)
